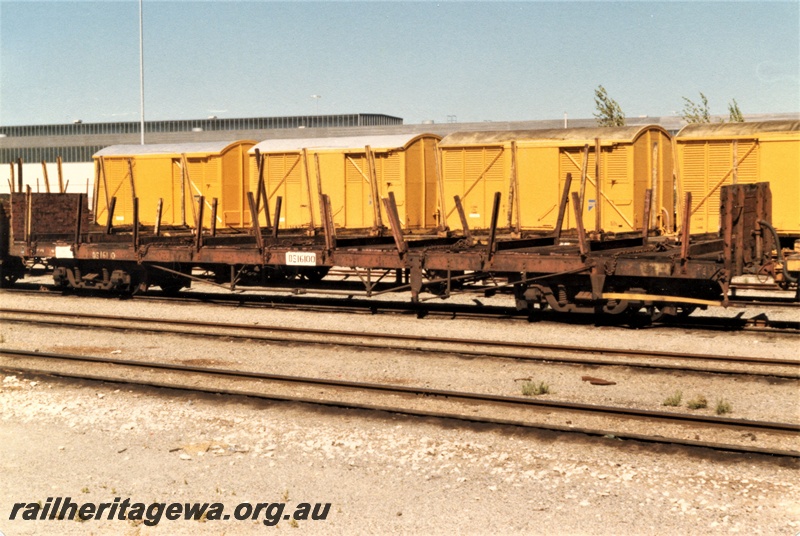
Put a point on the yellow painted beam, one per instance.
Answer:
(657, 298)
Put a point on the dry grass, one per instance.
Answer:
(698, 402)
(723, 407)
(674, 400)
(534, 389)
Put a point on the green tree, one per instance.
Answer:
(735, 114)
(696, 113)
(609, 113)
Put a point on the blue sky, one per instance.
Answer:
(501, 61)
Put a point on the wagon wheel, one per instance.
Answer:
(655, 313)
(316, 274)
(615, 307)
(636, 319)
(172, 288)
(437, 289)
(7, 280)
(8, 276)
(169, 283)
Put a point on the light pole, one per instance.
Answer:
(316, 98)
(141, 75)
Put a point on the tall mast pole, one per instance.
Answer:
(141, 75)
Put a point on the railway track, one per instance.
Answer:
(349, 302)
(466, 347)
(594, 420)
(759, 301)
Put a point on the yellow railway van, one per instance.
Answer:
(352, 177)
(171, 172)
(529, 169)
(712, 155)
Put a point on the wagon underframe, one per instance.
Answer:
(571, 275)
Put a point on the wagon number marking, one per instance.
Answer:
(301, 258)
(104, 255)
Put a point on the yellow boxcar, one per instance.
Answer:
(712, 155)
(404, 164)
(212, 169)
(529, 169)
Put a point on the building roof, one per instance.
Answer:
(703, 130)
(606, 134)
(205, 147)
(378, 143)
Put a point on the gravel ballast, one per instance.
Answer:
(381, 473)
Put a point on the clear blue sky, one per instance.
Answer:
(67, 60)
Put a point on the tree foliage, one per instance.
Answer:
(696, 113)
(609, 113)
(734, 113)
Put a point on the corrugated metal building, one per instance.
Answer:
(78, 141)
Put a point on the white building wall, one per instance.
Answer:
(78, 177)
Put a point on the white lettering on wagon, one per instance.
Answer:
(104, 255)
(301, 258)
(64, 252)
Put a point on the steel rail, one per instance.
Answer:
(413, 338)
(449, 351)
(490, 311)
(127, 324)
(359, 304)
(758, 301)
(763, 426)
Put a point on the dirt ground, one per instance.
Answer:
(381, 474)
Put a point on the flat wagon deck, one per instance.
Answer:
(568, 273)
